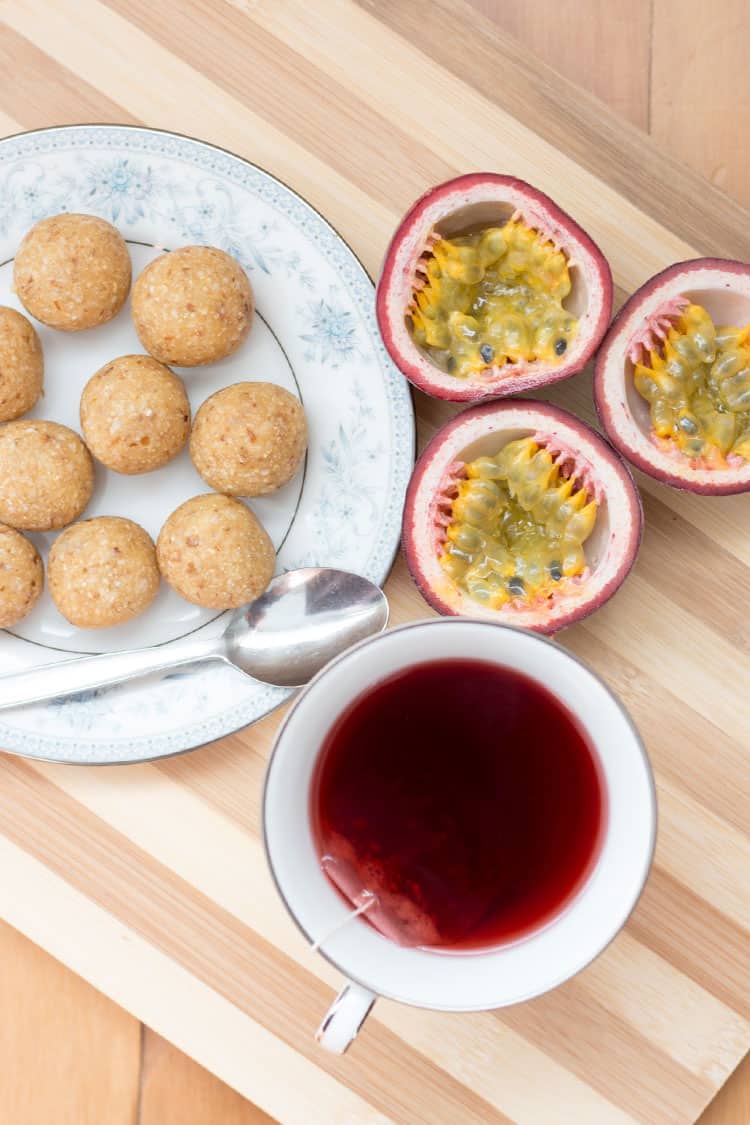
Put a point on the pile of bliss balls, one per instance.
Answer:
(191, 306)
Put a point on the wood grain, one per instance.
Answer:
(699, 93)
(177, 1091)
(571, 119)
(153, 879)
(39, 84)
(604, 48)
(69, 1055)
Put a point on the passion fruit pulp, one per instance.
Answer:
(672, 379)
(488, 288)
(519, 512)
(517, 526)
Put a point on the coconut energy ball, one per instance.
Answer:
(215, 553)
(21, 365)
(46, 475)
(135, 414)
(21, 576)
(249, 439)
(72, 271)
(102, 572)
(192, 306)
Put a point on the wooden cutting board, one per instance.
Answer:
(150, 881)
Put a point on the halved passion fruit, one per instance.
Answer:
(521, 513)
(488, 289)
(672, 380)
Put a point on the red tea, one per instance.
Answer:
(462, 795)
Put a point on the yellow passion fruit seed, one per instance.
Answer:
(517, 527)
(698, 389)
(493, 297)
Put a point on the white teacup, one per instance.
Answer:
(456, 981)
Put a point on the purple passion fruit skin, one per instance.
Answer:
(682, 338)
(505, 255)
(566, 486)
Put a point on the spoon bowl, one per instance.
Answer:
(304, 619)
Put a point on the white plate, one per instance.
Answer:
(314, 333)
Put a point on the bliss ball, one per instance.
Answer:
(21, 576)
(102, 572)
(46, 475)
(135, 414)
(192, 306)
(72, 271)
(21, 365)
(249, 439)
(215, 553)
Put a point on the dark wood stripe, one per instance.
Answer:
(693, 936)
(713, 773)
(685, 749)
(217, 949)
(694, 572)
(642, 1079)
(34, 82)
(224, 774)
(474, 49)
(250, 64)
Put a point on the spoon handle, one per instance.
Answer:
(86, 672)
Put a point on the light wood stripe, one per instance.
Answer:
(37, 82)
(720, 518)
(100, 50)
(225, 773)
(228, 769)
(246, 62)
(697, 757)
(683, 562)
(9, 125)
(675, 922)
(469, 130)
(123, 807)
(698, 1031)
(664, 1092)
(233, 871)
(705, 671)
(472, 131)
(153, 986)
(474, 49)
(215, 948)
(700, 850)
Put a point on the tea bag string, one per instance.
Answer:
(370, 899)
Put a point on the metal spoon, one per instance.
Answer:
(304, 619)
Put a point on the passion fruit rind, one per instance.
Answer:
(581, 454)
(480, 201)
(641, 326)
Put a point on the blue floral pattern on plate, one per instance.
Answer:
(167, 190)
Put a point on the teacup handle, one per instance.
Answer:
(345, 1017)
